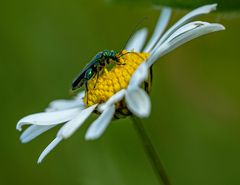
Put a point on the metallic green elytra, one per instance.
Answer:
(94, 67)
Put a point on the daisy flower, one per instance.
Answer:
(118, 92)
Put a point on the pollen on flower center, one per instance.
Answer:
(101, 88)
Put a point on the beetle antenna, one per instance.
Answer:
(134, 30)
(132, 53)
(86, 87)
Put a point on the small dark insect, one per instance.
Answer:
(94, 67)
(97, 64)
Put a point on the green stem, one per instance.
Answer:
(151, 152)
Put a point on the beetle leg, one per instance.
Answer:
(116, 61)
(98, 71)
(86, 87)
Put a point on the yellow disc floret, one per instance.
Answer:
(102, 87)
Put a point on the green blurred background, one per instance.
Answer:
(195, 120)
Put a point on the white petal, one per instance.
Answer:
(67, 104)
(48, 118)
(49, 148)
(33, 131)
(139, 75)
(137, 41)
(183, 35)
(70, 127)
(199, 11)
(112, 100)
(57, 105)
(99, 125)
(203, 29)
(206, 9)
(138, 102)
(159, 29)
(186, 28)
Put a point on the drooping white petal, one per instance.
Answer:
(138, 102)
(67, 104)
(187, 18)
(63, 104)
(100, 124)
(183, 35)
(139, 75)
(49, 148)
(57, 105)
(48, 118)
(112, 100)
(70, 127)
(137, 41)
(159, 29)
(33, 131)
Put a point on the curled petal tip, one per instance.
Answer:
(214, 6)
(49, 148)
(211, 7)
(88, 137)
(22, 140)
(39, 161)
(222, 27)
(19, 126)
(218, 27)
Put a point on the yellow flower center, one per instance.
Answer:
(101, 88)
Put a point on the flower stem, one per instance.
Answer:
(151, 152)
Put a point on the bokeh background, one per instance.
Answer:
(195, 120)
